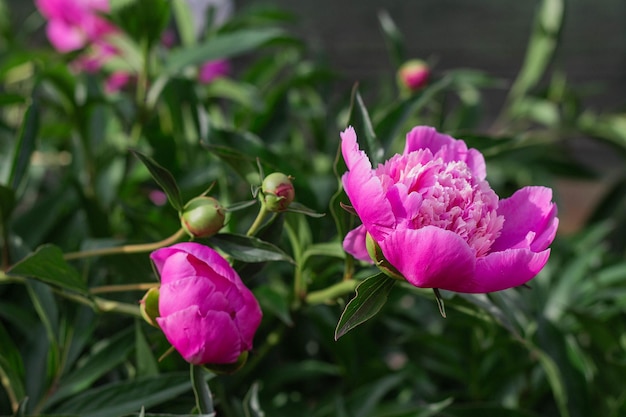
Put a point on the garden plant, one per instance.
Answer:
(198, 217)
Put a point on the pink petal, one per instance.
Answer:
(194, 290)
(364, 189)
(354, 243)
(529, 220)
(445, 147)
(64, 37)
(511, 268)
(431, 257)
(200, 339)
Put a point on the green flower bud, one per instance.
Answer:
(149, 306)
(379, 259)
(278, 191)
(202, 217)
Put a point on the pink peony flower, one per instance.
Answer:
(211, 70)
(206, 312)
(73, 24)
(438, 223)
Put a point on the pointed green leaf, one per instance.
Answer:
(124, 397)
(248, 248)
(25, 145)
(162, 177)
(541, 47)
(47, 264)
(251, 404)
(393, 38)
(296, 207)
(371, 296)
(222, 46)
(360, 119)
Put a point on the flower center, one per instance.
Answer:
(426, 191)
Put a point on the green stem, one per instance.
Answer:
(103, 305)
(204, 401)
(258, 222)
(123, 287)
(139, 248)
(331, 293)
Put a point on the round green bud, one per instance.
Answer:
(278, 191)
(149, 306)
(202, 217)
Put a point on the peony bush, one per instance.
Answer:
(199, 217)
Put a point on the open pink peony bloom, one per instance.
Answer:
(437, 221)
(206, 312)
(73, 24)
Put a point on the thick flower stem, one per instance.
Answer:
(139, 248)
(124, 287)
(331, 293)
(204, 400)
(258, 222)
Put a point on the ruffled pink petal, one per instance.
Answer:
(431, 257)
(529, 220)
(354, 243)
(364, 189)
(511, 268)
(200, 339)
(445, 147)
(248, 319)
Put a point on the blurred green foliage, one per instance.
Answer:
(70, 344)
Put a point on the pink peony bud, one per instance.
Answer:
(206, 312)
(413, 75)
(278, 191)
(433, 218)
(202, 217)
(211, 70)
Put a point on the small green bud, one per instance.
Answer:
(202, 217)
(149, 306)
(374, 251)
(278, 191)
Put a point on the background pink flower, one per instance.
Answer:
(211, 70)
(439, 223)
(206, 312)
(74, 24)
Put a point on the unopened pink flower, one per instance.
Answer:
(116, 81)
(413, 74)
(211, 70)
(206, 312)
(437, 221)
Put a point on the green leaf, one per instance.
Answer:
(359, 119)
(371, 296)
(111, 353)
(296, 207)
(184, 22)
(275, 300)
(393, 38)
(11, 367)
(7, 203)
(146, 362)
(541, 47)
(251, 405)
(162, 177)
(47, 264)
(24, 145)
(222, 46)
(248, 248)
(119, 398)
